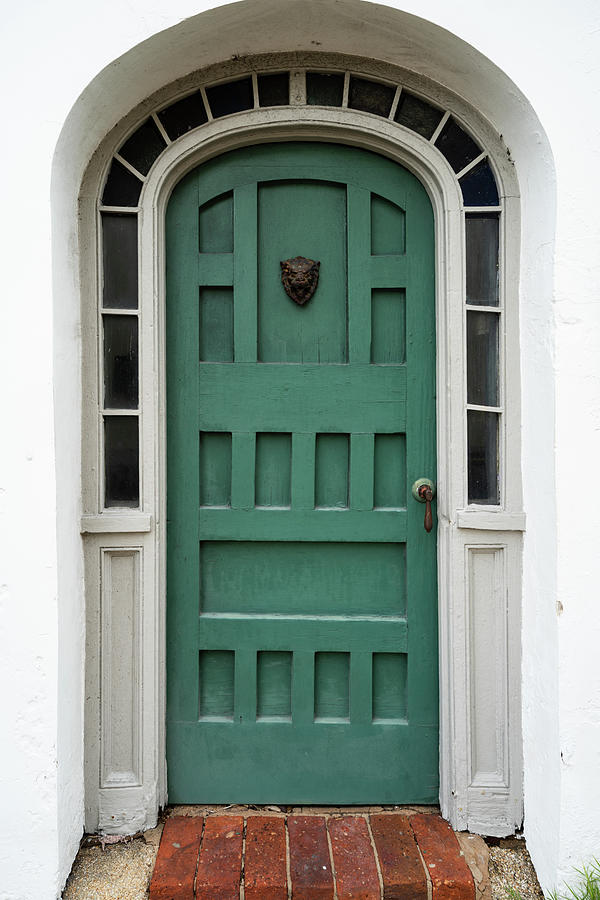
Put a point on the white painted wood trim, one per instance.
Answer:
(490, 520)
(116, 523)
(126, 809)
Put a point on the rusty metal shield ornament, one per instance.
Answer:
(300, 277)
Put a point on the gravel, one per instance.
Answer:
(117, 872)
(511, 867)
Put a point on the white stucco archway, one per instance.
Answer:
(214, 36)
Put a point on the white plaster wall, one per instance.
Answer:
(51, 52)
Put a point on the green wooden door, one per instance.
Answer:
(302, 611)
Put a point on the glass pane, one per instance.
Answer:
(120, 362)
(143, 147)
(418, 115)
(122, 187)
(119, 255)
(371, 96)
(121, 461)
(183, 115)
(274, 90)
(482, 358)
(232, 97)
(482, 236)
(483, 457)
(479, 186)
(324, 89)
(456, 145)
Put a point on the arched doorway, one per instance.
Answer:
(479, 515)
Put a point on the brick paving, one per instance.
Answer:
(349, 855)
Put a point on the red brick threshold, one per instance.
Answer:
(329, 856)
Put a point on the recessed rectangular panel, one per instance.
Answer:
(390, 471)
(120, 259)
(120, 362)
(389, 686)
(120, 667)
(482, 236)
(121, 461)
(332, 686)
(331, 470)
(215, 468)
(273, 469)
(216, 684)
(388, 227)
(216, 324)
(307, 219)
(216, 225)
(488, 639)
(302, 578)
(388, 327)
(482, 358)
(274, 684)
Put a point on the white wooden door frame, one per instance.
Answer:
(479, 548)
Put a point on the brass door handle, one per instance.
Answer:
(423, 490)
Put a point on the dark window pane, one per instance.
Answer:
(479, 186)
(324, 89)
(121, 461)
(482, 234)
(456, 145)
(122, 187)
(143, 147)
(232, 97)
(120, 362)
(482, 358)
(483, 456)
(274, 90)
(370, 96)
(119, 254)
(417, 115)
(182, 116)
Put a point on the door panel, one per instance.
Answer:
(301, 633)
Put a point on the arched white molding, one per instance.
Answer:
(396, 38)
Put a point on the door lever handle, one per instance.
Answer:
(423, 490)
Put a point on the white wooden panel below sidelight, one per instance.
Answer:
(120, 683)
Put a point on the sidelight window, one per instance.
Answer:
(483, 326)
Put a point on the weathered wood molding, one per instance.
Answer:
(490, 520)
(112, 523)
